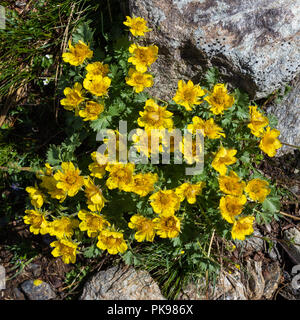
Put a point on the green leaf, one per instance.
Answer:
(212, 76)
(140, 97)
(92, 252)
(271, 205)
(101, 123)
(245, 157)
(64, 152)
(117, 107)
(273, 121)
(53, 155)
(128, 257)
(84, 33)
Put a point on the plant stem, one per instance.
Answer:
(289, 215)
(290, 145)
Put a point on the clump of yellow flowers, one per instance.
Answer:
(78, 205)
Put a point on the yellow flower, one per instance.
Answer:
(77, 54)
(143, 183)
(37, 221)
(242, 228)
(47, 171)
(142, 57)
(37, 198)
(257, 122)
(120, 176)
(231, 206)
(98, 85)
(231, 184)
(219, 99)
(37, 282)
(138, 80)
(137, 26)
(192, 152)
(144, 226)
(223, 158)
(94, 194)
(165, 202)
(69, 179)
(212, 130)
(188, 94)
(142, 142)
(198, 124)
(170, 141)
(92, 222)
(73, 97)
(209, 128)
(49, 183)
(91, 111)
(258, 189)
(167, 226)
(66, 249)
(112, 241)
(155, 116)
(96, 69)
(189, 191)
(269, 142)
(98, 169)
(116, 147)
(62, 227)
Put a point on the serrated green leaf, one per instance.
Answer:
(53, 155)
(140, 97)
(271, 205)
(83, 32)
(212, 76)
(101, 123)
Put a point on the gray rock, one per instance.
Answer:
(292, 247)
(17, 294)
(274, 254)
(256, 281)
(42, 291)
(193, 291)
(252, 282)
(121, 283)
(288, 115)
(272, 277)
(229, 287)
(253, 243)
(20, 4)
(254, 43)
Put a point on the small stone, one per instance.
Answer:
(272, 276)
(20, 4)
(292, 247)
(17, 294)
(36, 290)
(121, 283)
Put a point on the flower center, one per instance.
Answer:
(139, 79)
(153, 116)
(189, 95)
(71, 179)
